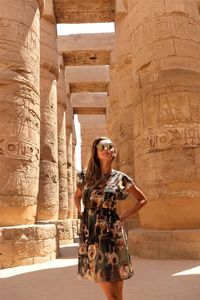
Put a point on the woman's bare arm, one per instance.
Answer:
(77, 199)
(141, 201)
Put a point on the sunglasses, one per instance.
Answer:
(108, 146)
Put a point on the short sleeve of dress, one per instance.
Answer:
(124, 183)
(127, 182)
(80, 180)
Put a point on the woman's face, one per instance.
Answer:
(105, 150)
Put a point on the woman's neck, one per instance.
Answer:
(106, 167)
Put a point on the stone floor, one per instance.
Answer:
(57, 280)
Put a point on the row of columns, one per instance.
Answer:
(37, 130)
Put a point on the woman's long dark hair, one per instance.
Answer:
(93, 172)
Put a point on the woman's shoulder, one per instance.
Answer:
(123, 177)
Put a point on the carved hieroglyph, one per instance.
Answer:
(48, 197)
(19, 111)
(165, 39)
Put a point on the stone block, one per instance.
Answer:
(47, 231)
(28, 249)
(6, 251)
(65, 231)
(165, 244)
(187, 8)
(20, 245)
(180, 63)
(21, 262)
(145, 56)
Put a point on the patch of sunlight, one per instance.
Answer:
(192, 271)
(54, 264)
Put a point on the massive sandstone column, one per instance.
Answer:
(165, 48)
(69, 137)
(19, 111)
(112, 111)
(74, 178)
(125, 94)
(62, 142)
(48, 198)
(125, 105)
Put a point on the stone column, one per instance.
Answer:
(69, 133)
(62, 142)
(74, 141)
(125, 106)
(112, 111)
(165, 48)
(48, 198)
(19, 111)
(125, 95)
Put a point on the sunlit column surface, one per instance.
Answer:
(165, 49)
(19, 111)
(48, 197)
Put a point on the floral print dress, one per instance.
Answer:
(103, 252)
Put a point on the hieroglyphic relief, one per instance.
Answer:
(155, 29)
(175, 104)
(28, 119)
(19, 149)
(169, 137)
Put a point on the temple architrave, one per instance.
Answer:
(139, 85)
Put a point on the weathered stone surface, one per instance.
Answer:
(166, 110)
(19, 110)
(112, 112)
(74, 171)
(48, 13)
(120, 9)
(24, 245)
(86, 49)
(87, 11)
(89, 103)
(62, 149)
(70, 163)
(65, 232)
(88, 79)
(125, 96)
(41, 4)
(48, 198)
(165, 244)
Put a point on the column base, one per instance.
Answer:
(27, 244)
(164, 244)
(68, 231)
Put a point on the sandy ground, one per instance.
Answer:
(57, 280)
